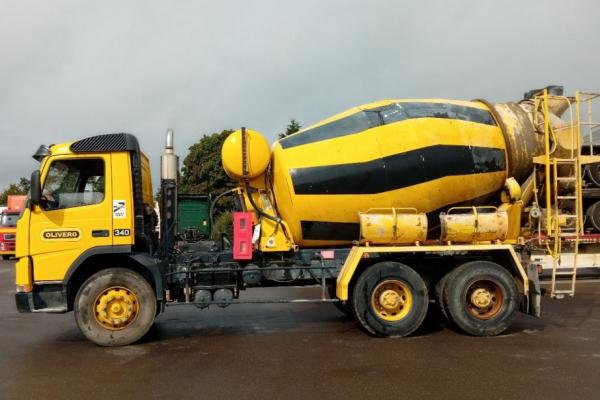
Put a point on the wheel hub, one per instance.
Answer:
(484, 299)
(116, 308)
(481, 298)
(391, 300)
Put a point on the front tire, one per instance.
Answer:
(115, 307)
(481, 298)
(390, 300)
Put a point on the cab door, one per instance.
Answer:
(75, 213)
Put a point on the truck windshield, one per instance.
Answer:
(9, 219)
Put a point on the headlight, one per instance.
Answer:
(24, 288)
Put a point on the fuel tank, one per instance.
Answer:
(423, 154)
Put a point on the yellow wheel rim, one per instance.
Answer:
(391, 300)
(116, 308)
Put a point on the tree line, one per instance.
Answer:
(21, 187)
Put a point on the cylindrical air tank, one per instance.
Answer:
(423, 154)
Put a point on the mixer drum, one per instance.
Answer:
(423, 154)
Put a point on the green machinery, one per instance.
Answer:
(193, 217)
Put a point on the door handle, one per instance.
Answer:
(101, 233)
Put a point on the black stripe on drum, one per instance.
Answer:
(397, 171)
(396, 112)
(318, 230)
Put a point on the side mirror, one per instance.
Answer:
(36, 189)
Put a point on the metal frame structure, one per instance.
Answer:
(563, 183)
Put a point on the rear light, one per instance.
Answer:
(24, 288)
(2, 246)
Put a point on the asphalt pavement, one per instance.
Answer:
(307, 351)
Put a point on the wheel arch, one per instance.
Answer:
(353, 267)
(100, 258)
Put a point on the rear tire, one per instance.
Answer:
(5, 257)
(115, 307)
(440, 287)
(481, 298)
(592, 217)
(390, 300)
(592, 172)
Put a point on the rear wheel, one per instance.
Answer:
(5, 257)
(115, 307)
(390, 299)
(481, 298)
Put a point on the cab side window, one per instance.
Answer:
(73, 183)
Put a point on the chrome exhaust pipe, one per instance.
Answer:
(169, 160)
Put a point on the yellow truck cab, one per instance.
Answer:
(91, 207)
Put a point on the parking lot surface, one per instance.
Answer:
(303, 351)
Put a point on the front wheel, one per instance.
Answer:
(390, 299)
(115, 307)
(481, 298)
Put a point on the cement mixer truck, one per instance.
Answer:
(392, 208)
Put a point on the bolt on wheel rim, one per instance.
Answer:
(116, 308)
(391, 300)
(484, 299)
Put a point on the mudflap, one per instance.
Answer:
(534, 299)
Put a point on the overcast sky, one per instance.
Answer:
(71, 69)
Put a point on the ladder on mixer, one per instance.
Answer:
(567, 174)
(563, 190)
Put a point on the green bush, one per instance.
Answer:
(223, 224)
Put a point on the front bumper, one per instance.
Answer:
(46, 300)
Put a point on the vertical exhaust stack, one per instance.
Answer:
(169, 161)
(168, 186)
